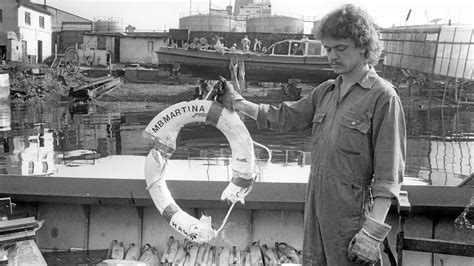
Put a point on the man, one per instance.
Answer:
(358, 144)
(245, 44)
(257, 45)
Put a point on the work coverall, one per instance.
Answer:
(358, 153)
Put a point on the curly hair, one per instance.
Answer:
(353, 23)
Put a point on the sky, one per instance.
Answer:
(162, 15)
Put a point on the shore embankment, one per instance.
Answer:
(132, 95)
(153, 96)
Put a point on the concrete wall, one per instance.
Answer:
(13, 50)
(89, 41)
(93, 57)
(132, 49)
(66, 227)
(92, 42)
(140, 50)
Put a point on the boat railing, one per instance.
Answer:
(418, 244)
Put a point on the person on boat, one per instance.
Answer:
(245, 44)
(194, 44)
(297, 49)
(358, 143)
(203, 43)
(257, 45)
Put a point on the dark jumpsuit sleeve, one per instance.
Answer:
(290, 116)
(389, 143)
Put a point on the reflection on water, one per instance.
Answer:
(93, 142)
(440, 146)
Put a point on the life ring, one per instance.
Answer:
(163, 130)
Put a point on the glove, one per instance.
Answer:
(225, 93)
(364, 246)
(234, 193)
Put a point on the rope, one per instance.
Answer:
(226, 217)
(248, 190)
(208, 93)
(267, 150)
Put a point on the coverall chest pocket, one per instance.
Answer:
(352, 136)
(317, 127)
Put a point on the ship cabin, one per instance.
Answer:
(292, 47)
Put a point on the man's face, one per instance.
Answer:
(343, 55)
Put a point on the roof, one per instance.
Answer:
(66, 12)
(35, 7)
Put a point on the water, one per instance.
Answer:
(58, 139)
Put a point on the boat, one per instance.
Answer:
(287, 59)
(83, 214)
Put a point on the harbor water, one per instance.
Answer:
(92, 141)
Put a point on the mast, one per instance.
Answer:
(209, 20)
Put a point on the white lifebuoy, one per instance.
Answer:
(163, 130)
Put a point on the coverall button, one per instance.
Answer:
(353, 123)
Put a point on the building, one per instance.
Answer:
(245, 9)
(67, 28)
(25, 31)
(255, 8)
(65, 21)
(123, 47)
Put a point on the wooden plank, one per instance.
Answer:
(94, 83)
(17, 236)
(133, 192)
(10, 225)
(70, 257)
(438, 246)
(431, 199)
(98, 92)
(427, 29)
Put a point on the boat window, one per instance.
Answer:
(314, 49)
(298, 48)
(281, 48)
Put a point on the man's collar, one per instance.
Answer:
(366, 82)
